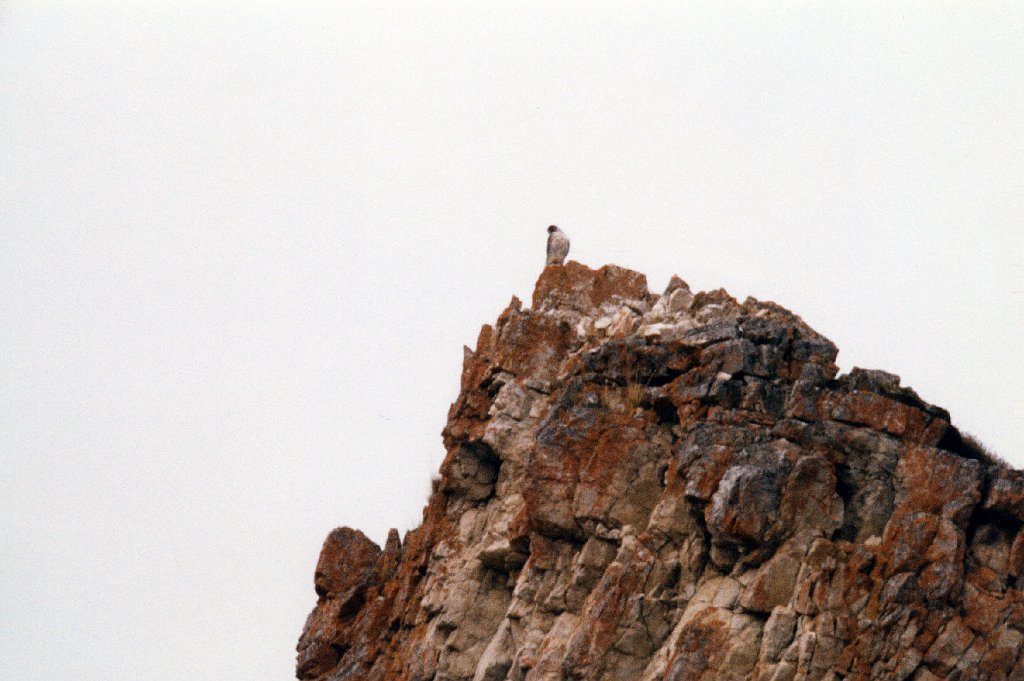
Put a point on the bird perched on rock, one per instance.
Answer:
(558, 246)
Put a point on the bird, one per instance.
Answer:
(558, 246)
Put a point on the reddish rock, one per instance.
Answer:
(773, 584)
(346, 566)
(680, 487)
(939, 482)
(579, 287)
(1006, 493)
(699, 652)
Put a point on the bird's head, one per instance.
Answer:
(552, 228)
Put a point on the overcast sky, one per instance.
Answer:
(242, 246)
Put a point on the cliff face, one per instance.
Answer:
(680, 487)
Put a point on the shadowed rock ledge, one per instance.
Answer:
(680, 487)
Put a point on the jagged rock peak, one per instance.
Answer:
(680, 487)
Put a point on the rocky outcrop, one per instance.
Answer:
(680, 487)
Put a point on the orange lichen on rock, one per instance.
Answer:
(681, 487)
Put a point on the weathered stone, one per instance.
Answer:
(939, 482)
(773, 584)
(949, 647)
(778, 633)
(680, 488)
(742, 508)
(1006, 493)
(346, 566)
(809, 498)
(576, 286)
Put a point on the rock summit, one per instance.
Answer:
(680, 487)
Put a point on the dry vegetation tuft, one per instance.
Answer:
(635, 394)
(976, 449)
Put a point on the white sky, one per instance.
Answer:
(241, 248)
